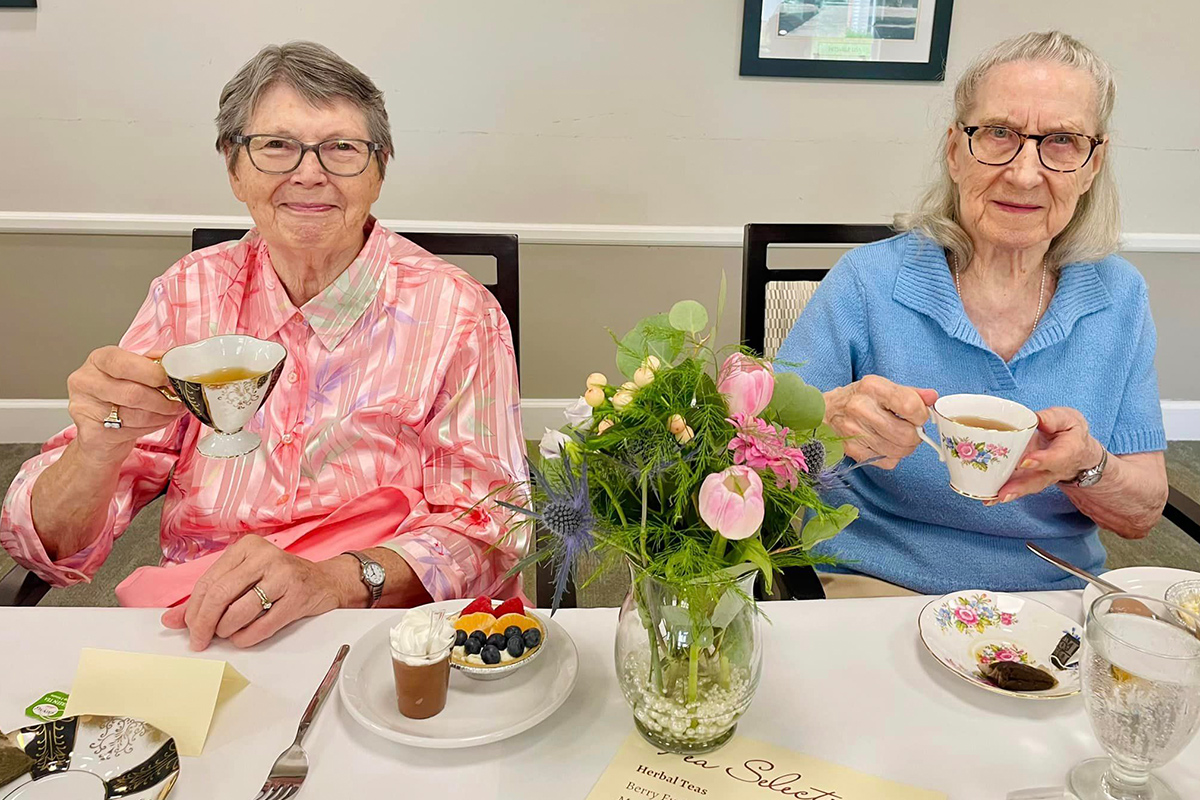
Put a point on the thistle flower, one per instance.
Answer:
(566, 514)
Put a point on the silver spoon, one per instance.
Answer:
(1124, 605)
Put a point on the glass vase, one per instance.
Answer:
(689, 657)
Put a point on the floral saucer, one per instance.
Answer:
(85, 757)
(966, 630)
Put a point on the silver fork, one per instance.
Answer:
(291, 768)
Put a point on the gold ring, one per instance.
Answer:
(113, 420)
(262, 598)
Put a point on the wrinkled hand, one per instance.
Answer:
(881, 418)
(115, 377)
(1062, 449)
(224, 604)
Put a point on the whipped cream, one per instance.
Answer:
(415, 641)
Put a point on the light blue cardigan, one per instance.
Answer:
(891, 309)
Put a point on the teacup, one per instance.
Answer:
(981, 439)
(223, 381)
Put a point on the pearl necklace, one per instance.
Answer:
(1041, 292)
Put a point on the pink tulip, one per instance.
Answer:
(731, 502)
(747, 384)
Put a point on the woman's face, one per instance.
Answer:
(307, 208)
(1022, 204)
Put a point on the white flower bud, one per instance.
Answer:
(677, 424)
(652, 363)
(597, 379)
(622, 399)
(594, 397)
(604, 425)
(629, 386)
(686, 435)
(643, 376)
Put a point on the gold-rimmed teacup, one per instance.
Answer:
(223, 381)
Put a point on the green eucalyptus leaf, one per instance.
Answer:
(820, 529)
(704, 638)
(796, 404)
(677, 618)
(688, 316)
(652, 336)
(728, 607)
(835, 448)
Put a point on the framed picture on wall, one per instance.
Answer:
(894, 40)
(18, 3)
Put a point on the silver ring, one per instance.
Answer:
(113, 420)
(262, 598)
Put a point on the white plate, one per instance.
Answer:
(964, 629)
(1147, 581)
(86, 757)
(477, 712)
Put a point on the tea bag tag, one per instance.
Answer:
(1064, 651)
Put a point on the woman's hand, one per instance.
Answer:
(224, 603)
(880, 417)
(1062, 448)
(115, 377)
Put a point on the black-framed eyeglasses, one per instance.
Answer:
(996, 145)
(279, 155)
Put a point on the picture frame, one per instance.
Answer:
(18, 3)
(892, 40)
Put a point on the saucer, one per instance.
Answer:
(967, 629)
(1146, 581)
(477, 712)
(90, 756)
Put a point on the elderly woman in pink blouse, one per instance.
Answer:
(396, 412)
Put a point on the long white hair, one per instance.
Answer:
(1094, 230)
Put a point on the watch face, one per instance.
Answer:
(373, 574)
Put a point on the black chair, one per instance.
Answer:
(501, 246)
(1180, 510)
(22, 588)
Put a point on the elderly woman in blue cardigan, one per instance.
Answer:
(1004, 283)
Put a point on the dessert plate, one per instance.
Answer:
(477, 712)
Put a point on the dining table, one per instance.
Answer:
(845, 681)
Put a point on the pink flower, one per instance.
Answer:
(965, 450)
(760, 445)
(1004, 654)
(966, 615)
(731, 502)
(1006, 619)
(747, 384)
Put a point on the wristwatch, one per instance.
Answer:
(1090, 477)
(373, 575)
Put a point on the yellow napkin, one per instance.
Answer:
(175, 695)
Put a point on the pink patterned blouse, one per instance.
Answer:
(399, 393)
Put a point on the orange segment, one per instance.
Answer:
(479, 621)
(520, 620)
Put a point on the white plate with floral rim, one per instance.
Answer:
(965, 630)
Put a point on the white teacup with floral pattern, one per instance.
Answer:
(980, 460)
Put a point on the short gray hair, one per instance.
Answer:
(320, 75)
(1095, 229)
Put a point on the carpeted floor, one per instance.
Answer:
(1166, 545)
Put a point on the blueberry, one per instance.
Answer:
(533, 637)
(497, 640)
(480, 635)
(473, 646)
(516, 646)
(490, 654)
(511, 631)
(460, 638)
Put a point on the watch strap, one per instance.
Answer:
(1090, 477)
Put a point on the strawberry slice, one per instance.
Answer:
(512, 606)
(481, 603)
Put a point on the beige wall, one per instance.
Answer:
(540, 111)
(64, 295)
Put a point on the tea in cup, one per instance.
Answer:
(981, 439)
(223, 381)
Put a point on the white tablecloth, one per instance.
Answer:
(847, 681)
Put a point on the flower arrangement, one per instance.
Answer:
(697, 468)
(979, 455)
